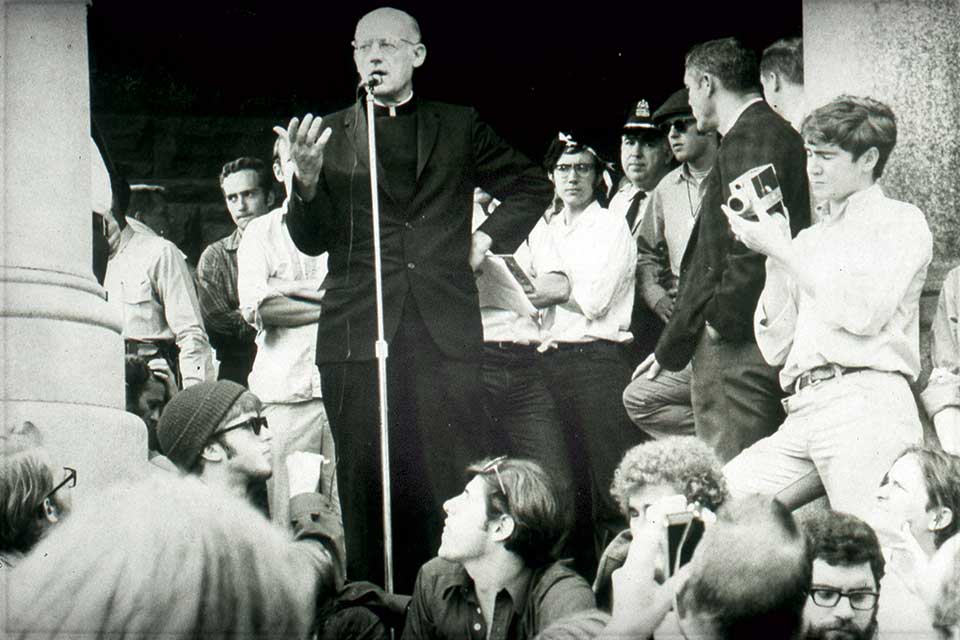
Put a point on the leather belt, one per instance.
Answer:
(823, 373)
(510, 346)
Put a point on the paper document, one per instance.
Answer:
(504, 284)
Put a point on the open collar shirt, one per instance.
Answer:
(870, 259)
(445, 603)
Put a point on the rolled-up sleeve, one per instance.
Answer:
(775, 324)
(608, 270)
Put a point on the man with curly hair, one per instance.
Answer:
(649, 472)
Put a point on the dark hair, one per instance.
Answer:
(854, 124)
(941, 476)
(843, 540)
(146, 200)
(784, 58)
(559, 148)
(264, 176)
(750, 575)
(731, 62)
(136, 375)
(689, 465)
(541, 517)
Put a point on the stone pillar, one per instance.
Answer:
(906, 54)
(61, 355)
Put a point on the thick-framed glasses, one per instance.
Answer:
(69, 480)
(255, 423)
(859, 600)
(494, 465)
(582, 168)
(389, 46)
(680, 125)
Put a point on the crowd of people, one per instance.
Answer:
(609, 384)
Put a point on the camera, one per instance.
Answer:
(756, 190)
(683, 527)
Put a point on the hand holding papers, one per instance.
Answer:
(503, 283)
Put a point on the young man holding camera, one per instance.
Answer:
(840, 313)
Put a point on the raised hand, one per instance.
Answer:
(306, 141)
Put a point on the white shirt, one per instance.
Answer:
(599, 257)
(148, 281)
(870, 258)
(623, 198)
(285, 368)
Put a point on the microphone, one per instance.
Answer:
(371, 82)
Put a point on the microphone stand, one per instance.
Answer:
(381, 345)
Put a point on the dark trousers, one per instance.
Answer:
(587, 382)
(521, 411)
(436, 427)
(735, 395)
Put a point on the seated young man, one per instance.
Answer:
(214, 430)
(840, 312)
(846, 568)
(34, 498)
(495, 575)
(679, 465)
(917, 513)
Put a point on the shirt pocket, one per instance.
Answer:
(142, 313)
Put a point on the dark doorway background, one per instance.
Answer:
(530, 68)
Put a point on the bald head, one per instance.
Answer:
(386, 50)
(388, 18)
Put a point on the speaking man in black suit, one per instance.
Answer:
(735, 393)
(431, 156)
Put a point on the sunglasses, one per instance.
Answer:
(681, 125)
(494, 465)
(255, 423)
(70, 480)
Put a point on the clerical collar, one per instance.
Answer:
(404, 107)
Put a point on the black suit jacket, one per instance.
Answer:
(425, 245)
(720, 279)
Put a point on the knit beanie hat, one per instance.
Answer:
(191, 417)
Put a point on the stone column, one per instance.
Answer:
(61, 355)
(906, 54)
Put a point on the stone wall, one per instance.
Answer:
(184, 154)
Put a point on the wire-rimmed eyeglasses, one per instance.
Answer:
(389, 46)
(69, 480)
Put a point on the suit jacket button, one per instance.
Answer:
(408, 225)
(411, 265)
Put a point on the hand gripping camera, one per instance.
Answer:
(757, 189)
(683, 526)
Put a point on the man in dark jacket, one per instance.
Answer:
(736, 394)
(431, 156)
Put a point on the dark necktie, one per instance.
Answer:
(634, 207)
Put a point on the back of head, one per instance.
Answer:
(750, 575)
(855, 124)
(785, 59)
(164, 557)
(25, 480)
(843, 540)
(729, 61)
(530, 496)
